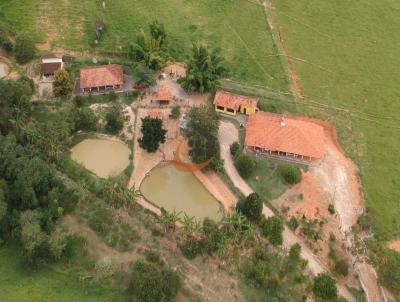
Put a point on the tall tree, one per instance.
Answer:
(203, 71)
(153, 134)
(251, 207)
(62, 85)
(158, 32)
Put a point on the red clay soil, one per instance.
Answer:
(394, 245)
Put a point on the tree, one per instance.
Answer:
(84, 119)
(293, 223)
(24, 49)
(143, 74)
(272, 228)
(251, 207)
(149, 49)
(62, 85)
(158, 32)
(245, 165)
(235, 149)
(153, 134)
(202, 133)
(171, 284)
(176, 112)
(290, 173)
(114, 120)
(325, 287)
(203, 70)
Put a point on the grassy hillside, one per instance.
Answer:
(351, 52)
(19, 285)
(237, 27)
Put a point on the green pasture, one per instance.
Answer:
(19, 284)
(347, 57)
(238, 28)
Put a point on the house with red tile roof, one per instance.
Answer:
(284, 137)
(101, 78)
(230, 103)
(164, 96)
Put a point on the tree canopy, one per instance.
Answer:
(153, 134)
(24, 49)
(204, 68)
(62, 85)
(251, 207)
(325, 287)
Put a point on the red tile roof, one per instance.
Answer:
(233, 101)
(104, 75)
(164, 95)
(285, 134)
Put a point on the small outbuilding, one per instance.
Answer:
(230, 103)
(49, 65)
(164, 96)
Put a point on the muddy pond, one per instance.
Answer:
(105, 157)
(177, 190)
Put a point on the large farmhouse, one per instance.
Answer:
(101, 78)
(284, 137)
(230, 103)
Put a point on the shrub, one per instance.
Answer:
(176, 112)
(62, 85)
(190, 248)
(293, 223)
(148, 284)
(24, 49)
(235, 149)
(245, 165)
(290, 173)
(331, 209)
(213, 236)
(153, 257)
(325, 287)
(6, 43)
(342, 268)
(112, 96)
(115, 121)
(251, 207)
(272, 228)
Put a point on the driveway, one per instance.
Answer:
(228, 134)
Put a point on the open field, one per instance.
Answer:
(239, 28)
(18, 284)
(350, 60)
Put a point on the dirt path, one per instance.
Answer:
(228, 134)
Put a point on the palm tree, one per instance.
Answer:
(191, 227)
(169, 220)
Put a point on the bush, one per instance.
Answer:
(245, 164)
(153, 257)
(272, 229)
(190, 248)
(342, 268)
(84, 119)
(251, 207)
(148, 284)
(293, 223)
(24, 49)
(290, 173)
(176, 112)
(213, 236)
(6, 43)
(331, 209)
(324, 287)
(62, 85)
(115, 121)
(235, 149)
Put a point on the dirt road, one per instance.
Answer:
(228, 134)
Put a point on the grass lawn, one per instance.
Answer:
(18, 284)
(238, 28)
(351, 60)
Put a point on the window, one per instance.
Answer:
(230, 110)
(220, 108)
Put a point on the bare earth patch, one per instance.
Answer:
(394, 245)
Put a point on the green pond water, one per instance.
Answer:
(105, 157)
(177, 190)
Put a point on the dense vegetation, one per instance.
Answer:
(153, 134)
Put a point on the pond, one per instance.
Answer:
(177, 190)
(105, 157)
